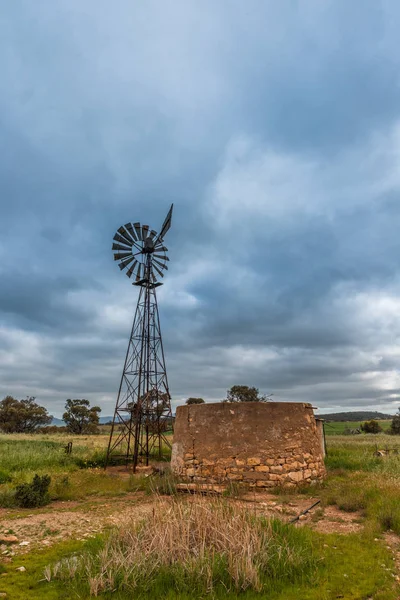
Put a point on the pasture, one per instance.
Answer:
(340, 427)
(110, 530)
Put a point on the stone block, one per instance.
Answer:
(276, 469)
(234, 476)
(264, 484)
(307, 473)
(296, 475)
(254, 475)
(262, 469)
(253, 461)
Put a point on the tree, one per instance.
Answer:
(244, 393)
(371, 427)
(22, 416)
(80, 417)
(195, 401)
(395, 424)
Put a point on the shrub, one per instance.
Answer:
(194, 401)
(34, 494)
(371, 427)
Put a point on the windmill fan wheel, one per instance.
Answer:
(140, 252)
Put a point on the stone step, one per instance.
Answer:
(201, 488)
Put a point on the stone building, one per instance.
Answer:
(261, 444)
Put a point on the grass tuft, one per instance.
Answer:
(194, 547)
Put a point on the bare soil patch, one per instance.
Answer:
(65, 520)
(83, 519)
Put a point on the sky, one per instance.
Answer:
(273, 127)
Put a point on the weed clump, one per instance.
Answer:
(34, 494)
(193, 548)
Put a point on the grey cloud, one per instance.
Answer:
(283, 268)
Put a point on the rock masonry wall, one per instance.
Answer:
(255, 443)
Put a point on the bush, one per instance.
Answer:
(34, 494)
(371, 427)
(194, 401)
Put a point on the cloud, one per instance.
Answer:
(275, 130)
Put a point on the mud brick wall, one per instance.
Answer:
(259, 444)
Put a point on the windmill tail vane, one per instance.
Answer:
(143, 416)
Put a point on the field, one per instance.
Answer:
(340, 427)
(105, 531)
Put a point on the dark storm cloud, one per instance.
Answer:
(274, 129)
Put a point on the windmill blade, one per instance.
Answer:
(129, 228)
(119, 247)
(126, 262)
(159, 247)
(138, 230)
(122, 255)
(160, 264)
(158, 271)
(167, 224)
(132, 268)
(145, 229)
(125, 235)
(163, 256)
(152, 234)
(119, 238)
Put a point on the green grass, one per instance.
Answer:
(352, 567)
(357, 481)
(340, 427)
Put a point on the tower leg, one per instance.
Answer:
(143, 414)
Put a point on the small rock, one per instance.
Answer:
(24, 543)
(21, 569)
(302, 517)
(8, 539)
(3, 595)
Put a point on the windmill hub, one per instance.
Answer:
(148, 247)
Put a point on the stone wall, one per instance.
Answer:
(256, 443)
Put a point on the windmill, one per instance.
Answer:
(143, 410)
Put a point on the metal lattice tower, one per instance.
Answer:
(143, 412)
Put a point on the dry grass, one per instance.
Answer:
(192, 546)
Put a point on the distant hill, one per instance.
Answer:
(60, 422)
(359, 415)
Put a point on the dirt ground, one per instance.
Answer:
(22, 531)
